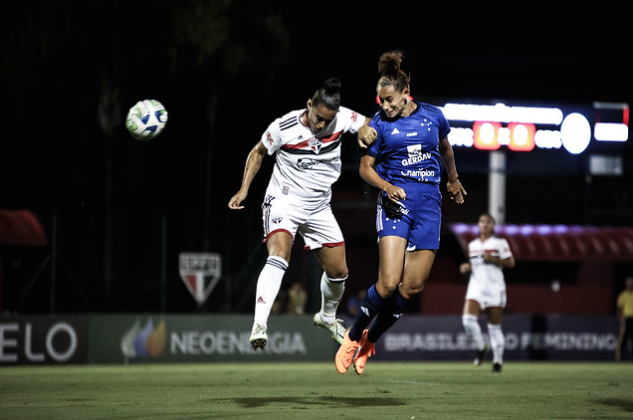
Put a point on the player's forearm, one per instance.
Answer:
(370, 176)
(448, 158)
(507, 263)
(253, 163)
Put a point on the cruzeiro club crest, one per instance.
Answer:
(200, 272)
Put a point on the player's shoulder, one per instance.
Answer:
(475, 242)
(286, 126)
(289, 120)
(501, 242)
(430, 109)
(380, 119)
(348, 116)
(345, 111)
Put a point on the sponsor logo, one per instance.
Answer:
(396, 209)
(415, 155)
(395, 131)
(307, 163)
(144, 340)
(418, 173)
(56, 342)
(150, 341)
(233, 342)
(560, 341)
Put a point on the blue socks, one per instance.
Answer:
(388, 310)
(391, 312)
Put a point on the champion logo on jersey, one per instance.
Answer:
(395, 131)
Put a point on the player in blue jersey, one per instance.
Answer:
(406, 163)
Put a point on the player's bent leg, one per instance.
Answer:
(332, 290)
(332, 259)
(417, 268)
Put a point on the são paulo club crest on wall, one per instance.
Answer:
(200, 272)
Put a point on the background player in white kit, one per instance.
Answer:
(488, 256)
(307, 148)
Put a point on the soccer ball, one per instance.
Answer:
(146, 119)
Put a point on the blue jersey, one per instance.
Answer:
(408, 149)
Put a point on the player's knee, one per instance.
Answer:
(468, 321)
(280, 253)
(385, 288)
(411, 290)
(336, 272)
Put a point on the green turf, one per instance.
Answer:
(316, 391)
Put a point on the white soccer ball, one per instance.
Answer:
(146, 119)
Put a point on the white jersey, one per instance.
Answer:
(307, 164)
(487, 285)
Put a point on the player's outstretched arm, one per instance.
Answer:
(253, 163)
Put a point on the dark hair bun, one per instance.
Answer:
(389, 63)
(332, 86)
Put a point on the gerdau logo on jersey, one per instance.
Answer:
(415, 155)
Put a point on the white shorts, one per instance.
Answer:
(317, 227)
(487, 297)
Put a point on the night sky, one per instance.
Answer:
(70, 70)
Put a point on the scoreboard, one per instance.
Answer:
(495, 125)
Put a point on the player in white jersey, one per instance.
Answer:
(488, 256)
(307, 148)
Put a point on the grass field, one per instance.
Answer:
(301, 391)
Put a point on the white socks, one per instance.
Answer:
(495, 334)
(497, 342)
(268, 285)
(471, 325)
(331, 294)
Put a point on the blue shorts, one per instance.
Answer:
(417, 218)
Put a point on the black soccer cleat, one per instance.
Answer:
(480, 355)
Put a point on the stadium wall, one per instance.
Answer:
(155, 338)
